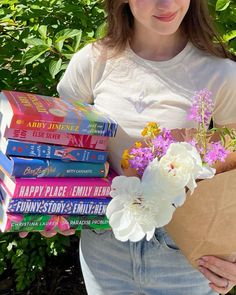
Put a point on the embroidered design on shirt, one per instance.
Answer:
(139, 103)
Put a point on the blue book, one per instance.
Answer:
(55, 206)
(13, 147)
(35, 167)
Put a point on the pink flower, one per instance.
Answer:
(162, 142)
(202, 107)
(57, 221)
(216, 152)
(141, 158)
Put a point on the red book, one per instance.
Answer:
(76, 140)
(21, 110)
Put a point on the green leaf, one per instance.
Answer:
(76, 41)
(33, 54)
(34, 41)
(11, 245)
(68, 55)
(64, 66)
(55, 67)
(90, 34)
(43, 31)
(59, 45)
(222, 4)
(69, 47)
(49, 42)
(36, 27)
(65, 34)
(229, 36)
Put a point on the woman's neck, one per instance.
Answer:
(160, 48)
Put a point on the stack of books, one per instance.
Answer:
(53, 161)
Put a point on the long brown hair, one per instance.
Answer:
(197, 25)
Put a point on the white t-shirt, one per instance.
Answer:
(135, 91)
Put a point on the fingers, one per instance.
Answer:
(213, 278)
(50, 234)
(68, 232)
(221, 290)
(220, 267)
(220, 273)
(23, 234)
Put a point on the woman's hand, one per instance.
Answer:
(220, 273)
(51, 233)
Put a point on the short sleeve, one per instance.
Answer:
(225, 104)
(76, 81)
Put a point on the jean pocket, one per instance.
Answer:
(167, 242)
(100, 232)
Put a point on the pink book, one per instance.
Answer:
(92, 187)
(59, 138)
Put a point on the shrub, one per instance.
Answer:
(224, 14)
(27, 257)
(38, 38)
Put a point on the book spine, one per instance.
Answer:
(61, 191)
(24, 167)
(36, 222)
(90, 128)
(77, 188)
(37, 150)
(75, 140)
(64, 206)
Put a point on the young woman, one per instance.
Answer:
(155, 55)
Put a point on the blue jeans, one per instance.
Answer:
(156, 267)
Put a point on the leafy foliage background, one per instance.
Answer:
(224, 15)
(37, 40)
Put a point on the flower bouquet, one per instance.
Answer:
(169, 165)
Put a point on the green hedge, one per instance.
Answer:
(38, 38)
(224, 14)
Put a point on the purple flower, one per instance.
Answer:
(141, 157)
(216, 152)
(202, 107)
(162, 142)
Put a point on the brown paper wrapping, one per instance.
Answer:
(206, 223)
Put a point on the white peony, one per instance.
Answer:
(156, 183)
(177, 169)
(133, 213)
(186, 163)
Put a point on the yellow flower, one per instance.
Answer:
(125, 159)
(151, 130)
(144, 132)
(137, 144)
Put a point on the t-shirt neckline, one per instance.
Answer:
(174, 60)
